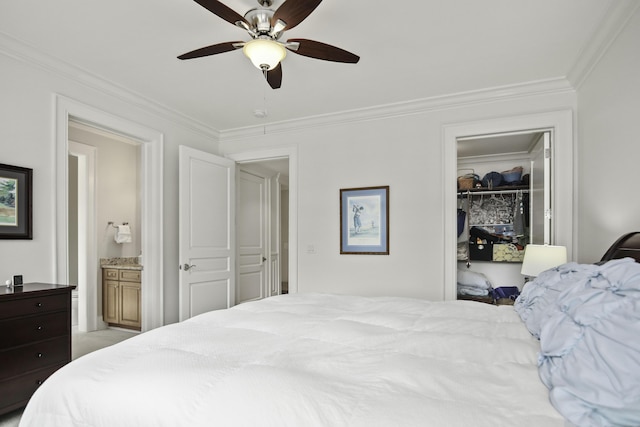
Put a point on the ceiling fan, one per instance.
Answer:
(266, 26)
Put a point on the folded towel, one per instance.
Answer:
(123, 234)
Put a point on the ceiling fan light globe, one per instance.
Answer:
(265, 54)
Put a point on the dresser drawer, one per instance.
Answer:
(34, 305)
(31, 357)
(17, 391)
(129, 275)
(34, 328)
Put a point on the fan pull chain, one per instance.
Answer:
(264, 103)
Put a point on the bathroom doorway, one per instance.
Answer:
(152, 230)
(103, 170)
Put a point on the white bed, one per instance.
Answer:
(311, 360)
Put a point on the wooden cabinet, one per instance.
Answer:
(35, 326)
(122, 297)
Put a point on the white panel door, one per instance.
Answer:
(252, 237)
(206, 232)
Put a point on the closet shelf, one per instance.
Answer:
(500, 190)
(496, 224)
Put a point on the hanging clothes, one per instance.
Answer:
(462, 216)
(518, 216)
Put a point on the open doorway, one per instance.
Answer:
(262, 229)
(209, 224)
(504, 203)
(151, 171)
(562, 194)
(103, 170)
(289, 207)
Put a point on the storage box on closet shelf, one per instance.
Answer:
(512, 176)
(467, 181)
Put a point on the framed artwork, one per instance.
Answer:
(15, 202)
(364, 221)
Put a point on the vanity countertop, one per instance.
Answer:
(121, 263)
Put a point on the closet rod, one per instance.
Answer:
(488, 192)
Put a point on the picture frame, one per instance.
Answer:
(364, 221)
(16, 202)
(17, 280)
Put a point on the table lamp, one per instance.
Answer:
(538, 258)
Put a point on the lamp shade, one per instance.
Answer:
(538, 258)
(265, 54)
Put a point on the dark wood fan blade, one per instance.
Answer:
(326, 52)
(274, 77)
(293, 12)
(209, 50)
(224, 12)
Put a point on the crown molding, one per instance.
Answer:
(456, 100)
(18, 50)
(615, 20)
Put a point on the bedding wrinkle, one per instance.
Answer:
(589, 347)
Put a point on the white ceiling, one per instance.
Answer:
(410, 50)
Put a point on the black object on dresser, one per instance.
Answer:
(35, 339)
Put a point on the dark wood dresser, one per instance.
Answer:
(35, 339)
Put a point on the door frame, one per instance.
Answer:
(151, 141)
(278, 153)
(562, 169)
(88, 313)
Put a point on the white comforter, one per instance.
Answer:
(310, 360)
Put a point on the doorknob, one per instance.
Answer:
(263, 259)
(188, 267)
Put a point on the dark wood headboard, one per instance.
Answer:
(626, 246)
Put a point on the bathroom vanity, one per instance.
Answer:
(122, 292)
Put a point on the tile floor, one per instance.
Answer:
(81, 344)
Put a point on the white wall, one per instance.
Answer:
(27, 139)
(404, 152)
(117, 191)
(609, 146)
